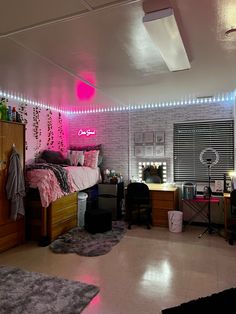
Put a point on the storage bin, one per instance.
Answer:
(82, 201)
(189, 190)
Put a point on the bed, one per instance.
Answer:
(52, 204)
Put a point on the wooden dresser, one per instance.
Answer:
(12, 232)
(164, 198)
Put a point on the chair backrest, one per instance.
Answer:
(138, 192)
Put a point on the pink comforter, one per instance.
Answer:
(79, 178)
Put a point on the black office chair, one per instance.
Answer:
(232, 220)
(138, 204)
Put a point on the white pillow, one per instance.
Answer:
(76, 157)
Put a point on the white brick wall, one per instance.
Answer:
(115, 131)
(112, 133)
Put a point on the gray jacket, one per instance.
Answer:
(15, 186)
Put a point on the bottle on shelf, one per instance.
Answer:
(18, 117)
(9, 114)
(4, 109)
(13, 114)
(1, 109)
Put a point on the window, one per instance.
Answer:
(190, 139)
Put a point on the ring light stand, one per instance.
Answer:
(209, 157)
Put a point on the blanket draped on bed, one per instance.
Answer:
(59, 171)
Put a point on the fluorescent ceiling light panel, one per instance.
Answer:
(163, 29)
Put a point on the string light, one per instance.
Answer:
(227, 97)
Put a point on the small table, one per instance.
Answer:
(199, 204)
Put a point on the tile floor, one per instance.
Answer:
(147, 271)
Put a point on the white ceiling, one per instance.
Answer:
(47, 46)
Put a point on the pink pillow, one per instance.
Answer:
(91, 158)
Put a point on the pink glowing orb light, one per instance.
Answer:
(83, 90)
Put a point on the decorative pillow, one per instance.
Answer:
(91, 158)
(54, 157)
(89, 148)
(76, 157)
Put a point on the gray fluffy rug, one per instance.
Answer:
(84, 243)
(29, 292)
(217, 303)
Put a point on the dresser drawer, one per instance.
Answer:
(160, 219)
(160, 204)
(165, 195)
(107, 189)
(64, 214)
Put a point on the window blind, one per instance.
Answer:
(190, 139)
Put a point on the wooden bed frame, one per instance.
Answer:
(45, 224)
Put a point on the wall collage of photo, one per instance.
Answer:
(149, 144)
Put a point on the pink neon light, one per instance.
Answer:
(86, 132)
(83, 90)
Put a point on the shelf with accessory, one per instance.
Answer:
(7, 113)
(111, 176)
(227, 183)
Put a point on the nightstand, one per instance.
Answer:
(111, 196)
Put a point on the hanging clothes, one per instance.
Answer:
(15, 186)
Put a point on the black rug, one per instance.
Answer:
(223, 302)
(29, 292)
(80, 241)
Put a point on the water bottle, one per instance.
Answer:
(13, 114)
(9, 114)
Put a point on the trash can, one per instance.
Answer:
(175, 219)
(82, 201)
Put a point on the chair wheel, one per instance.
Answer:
(129, 227)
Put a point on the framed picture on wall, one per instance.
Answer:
(160, 137)
(148, 137)
(148, 151)
(138, 138)
(160, 151)
(139, 151)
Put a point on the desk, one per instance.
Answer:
(164, 197)
(198, 205)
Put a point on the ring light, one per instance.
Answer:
(209, 156)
